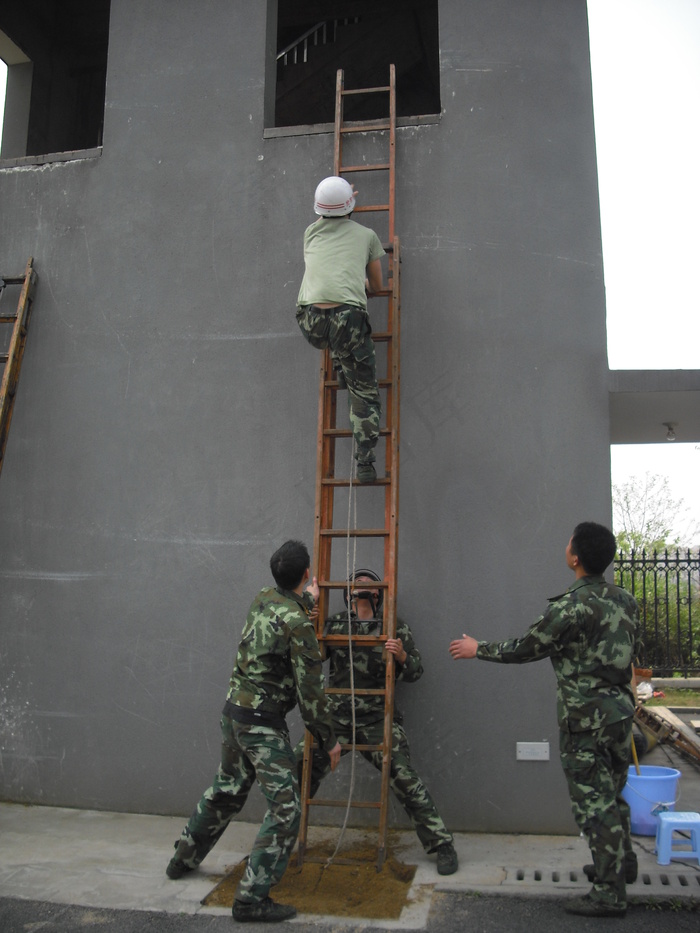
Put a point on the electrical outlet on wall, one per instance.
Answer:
(532, 751)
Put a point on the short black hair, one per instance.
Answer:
(594, 545)
(288, 564)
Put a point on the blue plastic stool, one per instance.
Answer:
(670, 822)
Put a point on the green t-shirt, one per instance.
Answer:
(337, 252)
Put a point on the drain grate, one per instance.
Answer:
(685, 881)
(680, 882)
(555, 877)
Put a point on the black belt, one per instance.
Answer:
(254, 717)
(340, 307)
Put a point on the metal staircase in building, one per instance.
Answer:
(14, 335)
(332, 523)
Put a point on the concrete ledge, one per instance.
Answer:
(76, 155)
(680, 683)
(641, 400)
(654, 380)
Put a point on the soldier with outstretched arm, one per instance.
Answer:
(590, 633)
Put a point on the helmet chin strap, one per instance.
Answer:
(371, 599)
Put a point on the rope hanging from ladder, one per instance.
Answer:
(349, 578)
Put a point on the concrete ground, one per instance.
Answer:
(86, 869)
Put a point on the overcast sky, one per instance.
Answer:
(645, 57)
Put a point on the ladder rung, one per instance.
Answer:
(358, 747)
(365, 128)
(379, 167)
(322, 860)
(346, 691)
(367, 804)
(346, 432)
(337, 481)
(372, 207)
(8, 318)
(343, 585)
(365, 90)
(382, 383)
(354, 532)
(357, 640)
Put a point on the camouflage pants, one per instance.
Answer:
(347, 332)
(595, 764)
(405, 782)
(249, 753)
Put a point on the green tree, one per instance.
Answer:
(647, 517)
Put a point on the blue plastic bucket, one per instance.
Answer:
(655, 789)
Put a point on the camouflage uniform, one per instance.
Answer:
(337, 252)
(591, 635)
(278, 664)
(369, 673)
(348, 333)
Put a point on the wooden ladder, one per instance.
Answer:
(328, 483)
(12, 345)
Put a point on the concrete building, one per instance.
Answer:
(159, 165)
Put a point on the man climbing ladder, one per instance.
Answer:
(343, 262)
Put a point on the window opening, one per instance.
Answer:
(363, 37)
(56, 56)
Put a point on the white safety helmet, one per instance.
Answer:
(334, 197)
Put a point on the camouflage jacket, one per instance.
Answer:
(279, 662)
(369, 666)
(591, 635)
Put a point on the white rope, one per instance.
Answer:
(349, 576)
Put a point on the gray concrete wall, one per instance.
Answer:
(163, 442)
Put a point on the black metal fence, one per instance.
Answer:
(667, 587)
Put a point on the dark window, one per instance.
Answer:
(363, 37)
(56, 76)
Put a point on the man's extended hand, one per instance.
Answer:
(395, 646)
(313, 589)
(464, 647)
(334, 755)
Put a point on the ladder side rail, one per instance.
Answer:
(304, 792)
(337, 134)
(326, 443)
(19, 330)
(392, 151)
(395, 377)
(391, 543)
(324, 463)
(325, 455)
(15, 354)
